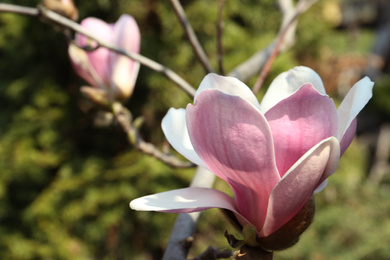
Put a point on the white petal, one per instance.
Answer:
(228, 85)
(332, 163)
(287, 83)
(175, 130)
(185, 200)
(353, 103)
(299, 183)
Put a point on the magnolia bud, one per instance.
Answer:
(288, 235)
(63, 7)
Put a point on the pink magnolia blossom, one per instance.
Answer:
(104, 69)
(274, 155)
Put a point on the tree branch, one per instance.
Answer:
(58, 19)
(124, 118)
(254, 64)
(290, 14)
(192, 36)
(8, 8)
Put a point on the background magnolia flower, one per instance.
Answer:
(104, 69)
(273, 155)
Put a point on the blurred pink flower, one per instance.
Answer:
(104, 69)
(274, 155)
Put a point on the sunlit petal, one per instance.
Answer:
(228, 85)
(175, 130)
(288, 82)
(299, 122)
(234, 140)
(291, 193)
(353, 103)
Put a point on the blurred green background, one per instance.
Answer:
(65, 181)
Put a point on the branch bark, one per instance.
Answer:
(256, 63)
(286, 37)
(124, 118)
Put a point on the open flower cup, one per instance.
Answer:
(109, 73)
(274, 155)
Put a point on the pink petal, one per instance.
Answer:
(175, 130)
(187, 200)
(126, 34)
(292, 192)
(98, 58)
(233, 139)
(287, 83)
(228, 85)
(353, 103)
(82, 66)
(124, 70)
(299, 122)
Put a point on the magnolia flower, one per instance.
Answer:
(111, 73)
(274, 155)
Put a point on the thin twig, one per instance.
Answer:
(254, 64)
(273, 55)
(192, 36)
(123, 116)
(169, 159)
(58, 19)
(8, 8)
(267, 66)
(219, 37)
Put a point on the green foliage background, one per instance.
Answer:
(65, 184)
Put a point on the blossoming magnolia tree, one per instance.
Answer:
(274, 155)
